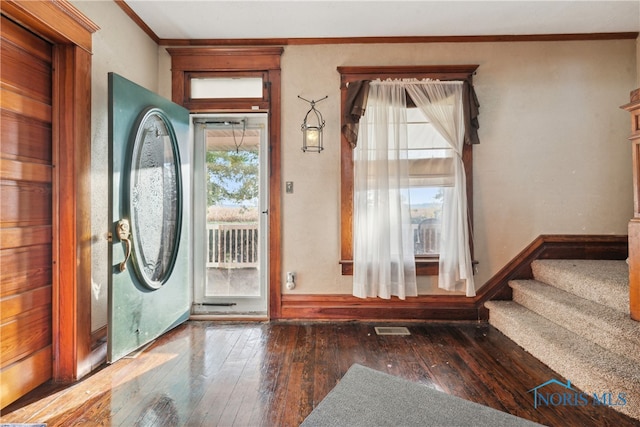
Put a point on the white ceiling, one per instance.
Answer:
(239, 19)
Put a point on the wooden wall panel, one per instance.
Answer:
(26, 212)
(32, 172)
(23, 138)
(14, 380)
(66, 126)
(16, 237)
(24, 204)
(25, 334)
(36, 47)
(25, 74)
(28, 107)
(17, 304)
(24, 268)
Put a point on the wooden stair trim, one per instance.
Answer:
(453, 307)
(552, 247)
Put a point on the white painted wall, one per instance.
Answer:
(119, 46)
(554, 155)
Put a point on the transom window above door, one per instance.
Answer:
(223, 87)
(226, 86)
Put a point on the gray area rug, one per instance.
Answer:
(365, 397)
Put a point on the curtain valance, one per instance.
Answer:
(356, 103)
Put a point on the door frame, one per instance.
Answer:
(199, 167)
(243, 60)
(70, 32)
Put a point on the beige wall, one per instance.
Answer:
(119, 46)
(553, 158)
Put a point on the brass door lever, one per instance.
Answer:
(124, 232)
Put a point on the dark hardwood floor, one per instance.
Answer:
(274, 374)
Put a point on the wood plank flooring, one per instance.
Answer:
(273, 374)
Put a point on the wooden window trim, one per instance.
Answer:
(250, 62)
(425, 266)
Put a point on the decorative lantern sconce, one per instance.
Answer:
(312, 126)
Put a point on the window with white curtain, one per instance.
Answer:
(383, 240)
(431, 160)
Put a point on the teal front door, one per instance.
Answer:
(149, 287)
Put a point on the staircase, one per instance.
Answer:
(574, 317)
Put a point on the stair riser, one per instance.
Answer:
(608, 286)
(582, 323)
(590, 374)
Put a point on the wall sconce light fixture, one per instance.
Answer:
(312, 126)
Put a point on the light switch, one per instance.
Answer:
(289, 187)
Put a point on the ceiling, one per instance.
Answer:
(268, 19)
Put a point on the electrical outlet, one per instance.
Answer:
(291, 280)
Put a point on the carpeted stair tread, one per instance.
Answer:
(603, 281)
(590, 367)
(609, 328)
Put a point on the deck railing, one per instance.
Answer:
(426, 237)
(232, 245)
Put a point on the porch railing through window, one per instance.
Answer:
(426, 237)
(232, 245)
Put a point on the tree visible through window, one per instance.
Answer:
(232, 177)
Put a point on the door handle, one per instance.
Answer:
(124, 232)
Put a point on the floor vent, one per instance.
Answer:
(392, 330)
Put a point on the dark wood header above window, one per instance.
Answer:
(436, 72)
(187, 63)
(225, 59)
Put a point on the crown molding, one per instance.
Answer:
(397, 40)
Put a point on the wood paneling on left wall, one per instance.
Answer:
(70, 34)
(26, 216)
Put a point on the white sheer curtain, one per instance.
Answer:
(383, 256)
(441, 102)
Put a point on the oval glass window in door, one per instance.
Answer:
(155, 199)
